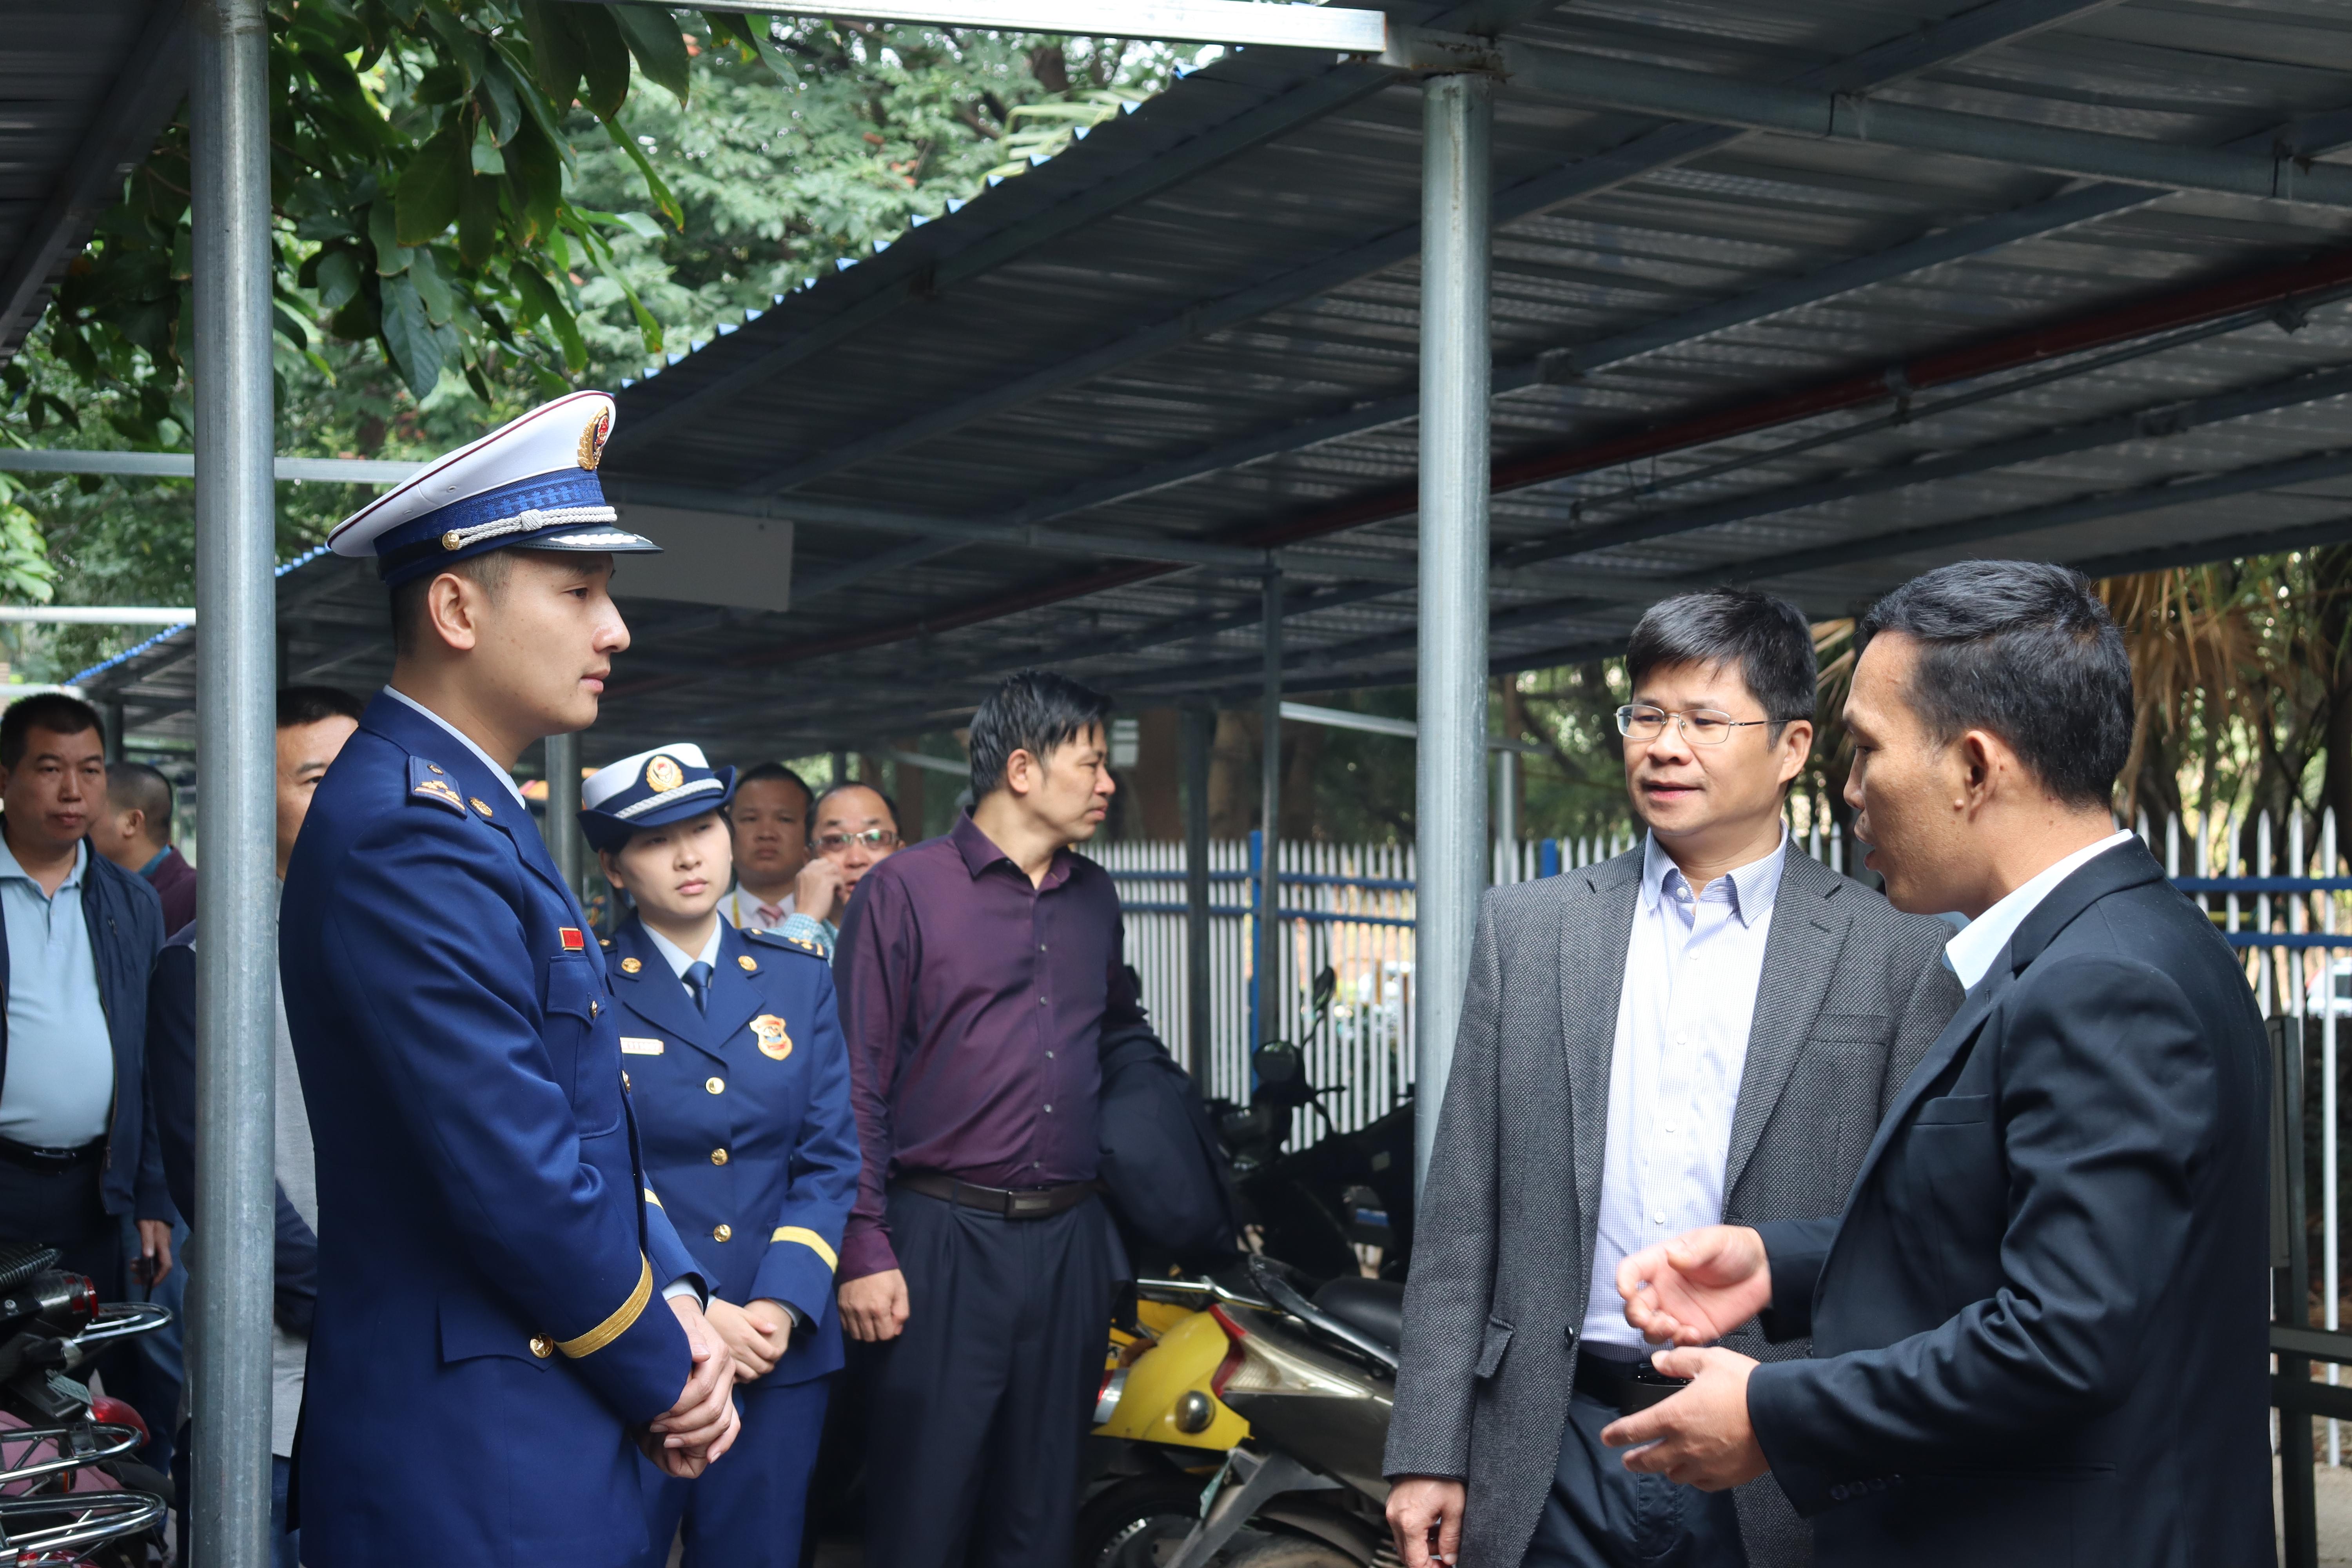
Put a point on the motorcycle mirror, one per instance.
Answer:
(1327, 986)
(1281, 1074)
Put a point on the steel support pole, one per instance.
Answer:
(1199, 728)
(1450, 774)
(1506, 815)
(1271, 1022)
(237, 892)
(563, 824)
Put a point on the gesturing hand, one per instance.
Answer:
(1701, 1436)
(817, 890)
(1698, 1287)
(701, 1426)
(874, 1306)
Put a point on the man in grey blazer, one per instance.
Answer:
(1711, 1025)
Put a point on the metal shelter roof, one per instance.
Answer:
(84, 89)
(2050, 278)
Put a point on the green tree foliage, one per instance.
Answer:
(626, 224)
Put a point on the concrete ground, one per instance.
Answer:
(2335, 1489)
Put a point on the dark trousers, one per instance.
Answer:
(745, 1511)
(978, 1411)
(152, 1369)
(1603, 1515)
(64, 1208)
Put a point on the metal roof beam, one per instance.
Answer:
(1607, 81)
(182, 466)
(1970, 32)
(149, 87)
(1567, 362)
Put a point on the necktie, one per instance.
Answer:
(698, 979)
(772, 916)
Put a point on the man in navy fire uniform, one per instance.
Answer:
(503, 1321)
(741, 1084)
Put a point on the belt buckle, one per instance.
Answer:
(1030, 1203)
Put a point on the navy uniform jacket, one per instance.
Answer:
(749, 1138)
(2039, 1332)
(490, 1313)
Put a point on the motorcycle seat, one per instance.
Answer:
(1370, 1307)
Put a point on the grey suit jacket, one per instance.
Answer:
(1852, 994)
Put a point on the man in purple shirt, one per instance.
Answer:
(977, 972)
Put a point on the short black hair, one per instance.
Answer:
(2026, 651)
(1769, 640)
(135, 786)
(52, 710)
(300, 705)
(759, 771)
(834, 789)
(1033, 711)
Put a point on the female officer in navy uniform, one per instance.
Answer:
(739, 1079)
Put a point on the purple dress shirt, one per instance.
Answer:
(975, 1005)
(174, 881)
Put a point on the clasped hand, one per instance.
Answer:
(684, 1439)
(1688, 1293)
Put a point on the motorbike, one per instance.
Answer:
(1294, 1389)
(71, 1493)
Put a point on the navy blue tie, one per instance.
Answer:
(698, 979)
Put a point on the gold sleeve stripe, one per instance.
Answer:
(614, 1327)
(809, 1239)
(656, 1203)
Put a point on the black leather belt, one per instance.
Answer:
(1624, 1386)
(33, 1158)
(1012, 1202)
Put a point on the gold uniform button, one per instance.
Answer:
(624, 1082)
(595, 1008)
(721, 1233)
(541, 1346)
(750, 963)
(715, 1085)
(719, 1156)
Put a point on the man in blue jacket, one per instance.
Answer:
(503, 1320)
(740, 1083)
(77, 1143)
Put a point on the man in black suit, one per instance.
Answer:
(2039, 1328)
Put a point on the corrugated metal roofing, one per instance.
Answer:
(1816, 364)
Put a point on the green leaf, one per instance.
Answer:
(496, 94)
(384, 235)
(639, 225)
(426, 203)
(604, 58)
(432, 288)
(662, 198)
(291, 328)
(534, 184)
(542, 302)
(557, 54)
(478, 220)
(653, 35)
(484, 154)
(415, 348)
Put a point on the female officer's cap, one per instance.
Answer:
(531, 485)
(652, 789)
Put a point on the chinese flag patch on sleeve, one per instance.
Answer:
(574, 942)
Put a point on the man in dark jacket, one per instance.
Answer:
(77, 1146)
(2038, 1327)
(134, 829)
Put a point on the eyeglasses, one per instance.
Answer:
(837, 843)
(1700, 726)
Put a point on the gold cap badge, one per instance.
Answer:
(769, 1031)
(592, 439)
(663, 776)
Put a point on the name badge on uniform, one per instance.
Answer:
(638, 1045)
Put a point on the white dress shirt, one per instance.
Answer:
(1971, 953)
(743, 910)
(678, 959)
(1692, 969)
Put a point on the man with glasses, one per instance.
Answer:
(1735, 1018)
(853, 828)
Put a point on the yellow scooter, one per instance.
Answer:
(1163, 1428)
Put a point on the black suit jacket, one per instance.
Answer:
(2039, 1327)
